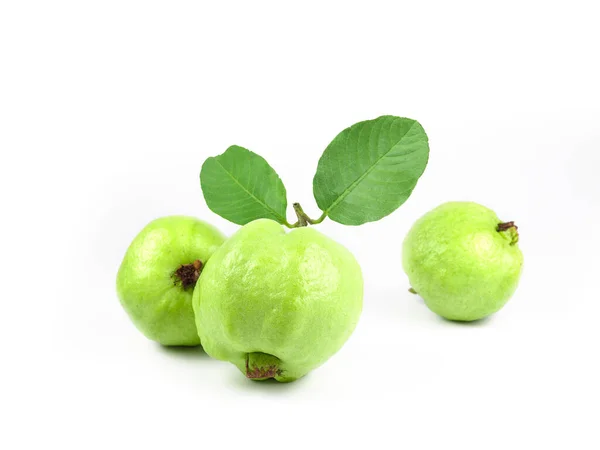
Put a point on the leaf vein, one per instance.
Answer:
(350, 188)
(271, 210)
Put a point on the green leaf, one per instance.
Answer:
(241, 186)
(370, 169)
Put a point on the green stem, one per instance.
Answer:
(320, 219)
(303, 219)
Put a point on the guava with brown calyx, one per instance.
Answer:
(158, 274)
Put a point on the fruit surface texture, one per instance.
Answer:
(462, 260)
(156, 279)
(278, 305)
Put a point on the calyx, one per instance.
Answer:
(188, 274)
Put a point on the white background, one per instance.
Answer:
(109, 108)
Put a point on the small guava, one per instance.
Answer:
(462, 260)
(277, 305)
(158, 274)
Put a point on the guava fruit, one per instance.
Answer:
(277, 305)
(462, 260)
(157, 277)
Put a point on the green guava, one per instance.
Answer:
(277, 305)
(158, 274)
(462, 260)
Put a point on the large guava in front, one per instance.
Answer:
(277, 305)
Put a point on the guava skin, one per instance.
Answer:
(277, 305)
(153, 297)
(459, 263)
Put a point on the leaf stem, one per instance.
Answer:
(303, 219)
(319, 220)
